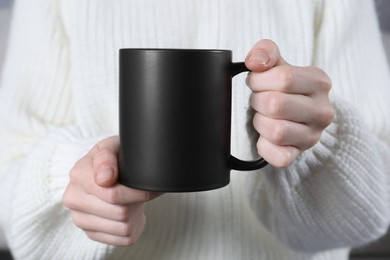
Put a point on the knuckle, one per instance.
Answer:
(128, 241)
(92, 236)
(109, 143)
(114, 196)
(257, 122)
(77, 221)
(259, 146)
(313, 139)
(286, 77)
(74, 174)
(249, 80)
(279, 132)
(126, 229)
(253, 100)
(274, 104)
(101, 158)
(68, 201)
(79, 169)
(96, 148)
(325, 116)
(285, 159)
(253, 82)
(324, 81)
(129, 229)
(328, 115)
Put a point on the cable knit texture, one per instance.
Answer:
(59, 96)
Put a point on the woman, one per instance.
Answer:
(325, 191)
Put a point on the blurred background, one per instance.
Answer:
(376, 250)
(5, 16)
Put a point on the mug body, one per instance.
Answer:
(175, 117)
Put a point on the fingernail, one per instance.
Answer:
(105, 174)
(260, 58)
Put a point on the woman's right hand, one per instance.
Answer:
(107, 211)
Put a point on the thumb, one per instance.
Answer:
(106, 176)
(264, 55)
(105, 161)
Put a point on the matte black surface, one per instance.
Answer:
(5, 255)
(175, 118)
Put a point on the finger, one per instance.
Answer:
(122, 195)
(277, 156)
(290, 79)
(115, 194)
(89, 222)
(286, 133)
(118, 194)
(316, 113)
(115, 240)
(81, 175)
(105, 161)
(264, 55)
(278, 105)
(110, 143)
(94, 206)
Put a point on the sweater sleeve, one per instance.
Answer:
(40, 138)
(336, 194)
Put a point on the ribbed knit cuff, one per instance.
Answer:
(334, 195)
(39, 220)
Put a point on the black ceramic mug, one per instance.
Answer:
(175, 119)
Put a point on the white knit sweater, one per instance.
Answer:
(59, 96)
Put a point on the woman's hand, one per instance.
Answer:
(292, 104)
(107, 211)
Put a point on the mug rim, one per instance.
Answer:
(224, 51)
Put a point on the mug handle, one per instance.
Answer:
(237, 164)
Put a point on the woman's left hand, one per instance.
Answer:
(292, 104)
